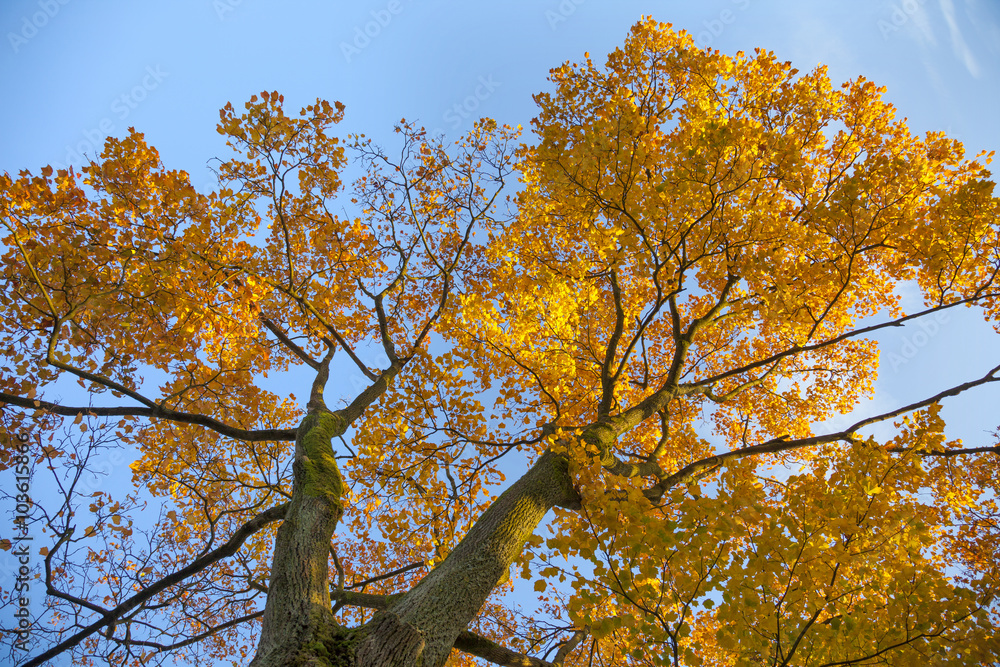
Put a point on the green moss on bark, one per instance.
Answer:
(321, 475)
(334, 646)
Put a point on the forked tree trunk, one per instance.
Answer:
(421, 628)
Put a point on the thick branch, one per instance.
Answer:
(670, 388)
(383, 321)
(607, 381)
(366, 600)
(289, 343)
(157, 412)
(316, 401)
(571, 644)
(443, 604)
(370, 395)
(946, 453)
(481, 647)
(467, 642)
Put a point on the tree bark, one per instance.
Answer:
(422, 627)
(298, 627)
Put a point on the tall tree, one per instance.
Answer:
(701, 247)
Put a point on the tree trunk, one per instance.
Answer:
(298, 627)
(421, 628)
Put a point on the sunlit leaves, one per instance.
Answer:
(712, 229)
(123, 277)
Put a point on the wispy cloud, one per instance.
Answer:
(957, 40)
(922, 23)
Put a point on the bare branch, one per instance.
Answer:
(607, 380)
(228, 549)
(795, 349)
(196, 638)
(784, 444)
(289, 343)
(387, 575)
(156, 412)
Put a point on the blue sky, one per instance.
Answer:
(74, 71)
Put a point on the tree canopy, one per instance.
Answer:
(637, 315)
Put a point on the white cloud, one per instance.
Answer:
(922, 22)
(957, 40)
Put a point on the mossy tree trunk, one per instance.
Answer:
(297, 621)
(421, 627)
